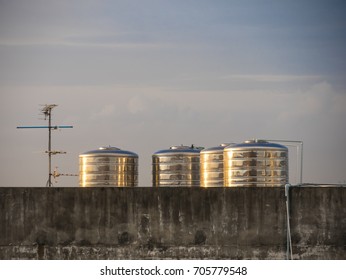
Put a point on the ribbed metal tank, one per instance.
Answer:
(108, 166)
(211, 166)
(177, 166)
(255, 163)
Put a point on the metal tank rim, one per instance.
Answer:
(113, 151)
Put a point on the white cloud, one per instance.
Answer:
(318, 99)
(106, 111)
(137, 105)
(109, 41)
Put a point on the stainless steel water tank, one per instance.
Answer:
(176, 166)
(255, 163)
(211, 166)
(108, 166)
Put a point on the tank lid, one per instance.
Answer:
(225, 144)
(180, 149)
(220, 148)
(257, 143)
(111, 150)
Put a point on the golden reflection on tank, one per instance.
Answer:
(211, 166)
(255, 163)
(108, 166)
(177, 166)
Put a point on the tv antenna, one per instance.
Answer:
(47, 111)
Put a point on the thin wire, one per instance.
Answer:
(289, 252)
(299, 147)
(47, 183)
(321, 184)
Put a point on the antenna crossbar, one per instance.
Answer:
(55, 152)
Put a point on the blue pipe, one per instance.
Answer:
(43, 126)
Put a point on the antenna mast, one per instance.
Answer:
(47, 111)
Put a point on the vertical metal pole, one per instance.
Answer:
(301, 163)
(49, 147)
(289, 252)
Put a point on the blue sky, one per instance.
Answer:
(146, 75)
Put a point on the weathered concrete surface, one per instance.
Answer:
(171, 223)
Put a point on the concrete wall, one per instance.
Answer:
(171, 223)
